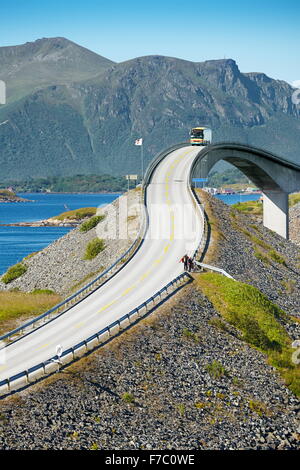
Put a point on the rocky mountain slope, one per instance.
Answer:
(45, 62)
(88, 124)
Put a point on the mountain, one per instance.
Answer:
(45, 62)
(87, 125)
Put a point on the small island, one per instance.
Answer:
(8, 195)
(66, 219)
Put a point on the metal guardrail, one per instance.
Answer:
(78, 296)
(32, 374)
(157, 159)
(213, 268)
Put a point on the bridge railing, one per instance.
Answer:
(98, 339)
(157, 159)
(63, 307)
(208, 267)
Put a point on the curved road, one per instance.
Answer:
(174, 229)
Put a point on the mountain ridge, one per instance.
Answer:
(88, 125)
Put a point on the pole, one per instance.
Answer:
(142, 161)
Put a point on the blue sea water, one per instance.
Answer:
(17, 242)
(235, 198)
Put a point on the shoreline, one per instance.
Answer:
(42, 223)
(69, 192)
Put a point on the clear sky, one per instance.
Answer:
(262, 36)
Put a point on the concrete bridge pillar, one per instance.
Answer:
(276, 212)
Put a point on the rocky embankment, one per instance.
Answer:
(295, 224)
(61, 266)
(155, 388)
(253, 254)
(6, 198)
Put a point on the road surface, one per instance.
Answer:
(175, 228)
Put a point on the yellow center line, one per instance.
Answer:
(128, 290)
(145, 275)
(166, 248)
(158, 260)
(43, 346)
(80, 324)
(107, 305)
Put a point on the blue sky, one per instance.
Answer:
(262, 36)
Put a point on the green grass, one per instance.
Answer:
(258, 320)
(216, 369)
(94, 247)
(275, 256)
(256, 207)
(14, 272)
(289, 285)
(91, 223)
(220, 324)
(294, 199)
(128, 397)
(260, 242)
(43, 291)
(186, 333)
(181, 409)
(31, 255)
(261, 256)
(269, 254)
(5, 192)
(249, 207)
(19, 304)
(258, 408)
(76, 214)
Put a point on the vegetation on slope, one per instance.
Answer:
(76, 214)
(70, 184)
(256, 207)
(14, 272)
(294, 199)
(61, 122)
(91, 223)
(227, 177)
(259, 321)
(14, 305)
(249, 207)
(94, 247)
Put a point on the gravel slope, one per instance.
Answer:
(173, 402)
(61, 266)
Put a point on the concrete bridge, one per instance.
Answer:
(275, 176)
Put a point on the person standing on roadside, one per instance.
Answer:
(190, 264)
(185, 261)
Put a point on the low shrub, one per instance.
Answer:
(258, 408)
(261, 256)
(91, 223)
(14, 272)
(275, 256)
(43, 291)
(216, 369)
(94, 247)
(128, 397)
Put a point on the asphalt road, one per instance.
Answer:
(174, 229)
